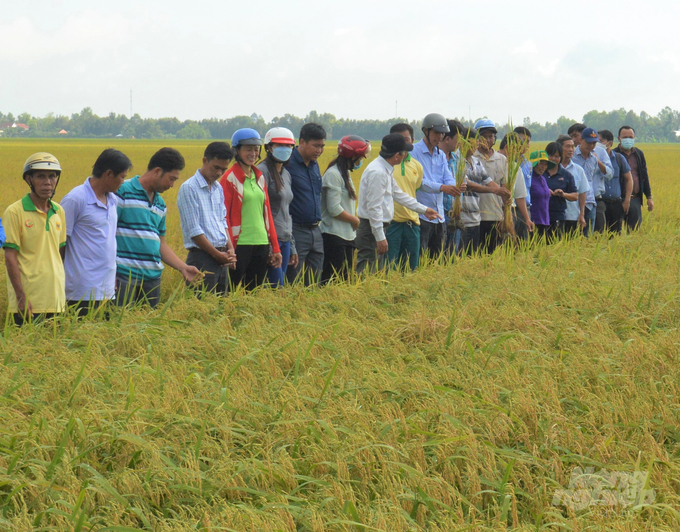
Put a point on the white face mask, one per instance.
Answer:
(600, 145)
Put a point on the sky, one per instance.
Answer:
(365, 59)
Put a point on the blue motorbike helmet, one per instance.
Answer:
(246, 137)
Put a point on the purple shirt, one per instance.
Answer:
(540, 200)
(90, 260)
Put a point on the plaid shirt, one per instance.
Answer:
(202, 211)
(469, 207)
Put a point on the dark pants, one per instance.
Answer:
(251, 265)
(367, 254)
(215, 275)
(521, 229)
(92, 307)
(541, 230)
(21, 319)
(600, 218)
(432, 237)
(403, 239)
(614, 215)
(634, 216)
(276, 276)
(570, 226)
(469, 240)
(556, 229)
(489, 238)
(134, 291)
(338, 257)
(309, 245)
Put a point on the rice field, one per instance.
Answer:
(536, 389)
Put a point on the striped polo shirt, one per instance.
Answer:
(141, 224)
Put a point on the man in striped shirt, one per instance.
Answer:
(140, 235)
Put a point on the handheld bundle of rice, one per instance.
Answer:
(466, 145)
(515, 152)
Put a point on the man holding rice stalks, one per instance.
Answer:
(437, 181)
(491, 207)
(514, 146)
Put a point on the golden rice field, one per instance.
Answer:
(536, 389)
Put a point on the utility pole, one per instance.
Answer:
(130, 103)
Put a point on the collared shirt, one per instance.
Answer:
(592, 169)
(202, 211)
(279, 201)
(491, 205)
(436, 172)
(573, 208)
(562, 180)
(377, 193)
(453, 165)
(37, 237)
(141, 224)
(306, 185)
(469, 206)
(90, 259)
(527, 170)
(409, 177)
(613, 188)
(335, 199)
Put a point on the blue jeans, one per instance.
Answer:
(276, 276)
(590, 215)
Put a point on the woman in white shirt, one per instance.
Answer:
(338, 207)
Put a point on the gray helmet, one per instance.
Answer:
(437, 122)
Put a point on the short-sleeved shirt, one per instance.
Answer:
(582, 186)
(141, 224)
(491, 205)
(469, 206)
(613, 190)
(409, 177)
(90, 258)
(37, 237)
(253, 230)
(564, 181)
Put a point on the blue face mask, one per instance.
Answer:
(282, 153)
(357, 166)
(627, 144)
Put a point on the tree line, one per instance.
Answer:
(86, 124)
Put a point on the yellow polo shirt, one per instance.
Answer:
(409, 177)
(37, 236)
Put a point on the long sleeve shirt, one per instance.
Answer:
(592, 170)
(436, 172)
(202, 211)
(378, 191)
(335, 199)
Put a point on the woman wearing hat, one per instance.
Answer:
(338, 207)
(249, 217)
(279, 143)
(540, 192)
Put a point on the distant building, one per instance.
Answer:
(63, 132)
(12, 125)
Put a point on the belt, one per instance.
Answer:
(222, 249)
(308, 226)
(617, 200)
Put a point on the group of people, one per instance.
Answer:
(251, 218)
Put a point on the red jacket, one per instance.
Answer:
(232, 185)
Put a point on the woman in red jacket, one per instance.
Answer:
(249, 217)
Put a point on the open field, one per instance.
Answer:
(460, 397)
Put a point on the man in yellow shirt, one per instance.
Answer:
(36, 230)
(403, 234)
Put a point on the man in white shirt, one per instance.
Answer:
(377, 193)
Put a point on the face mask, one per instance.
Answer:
(600, 145)
(357, 166)
(627, 144)
(282, 153)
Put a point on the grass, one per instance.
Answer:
(460, 397)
